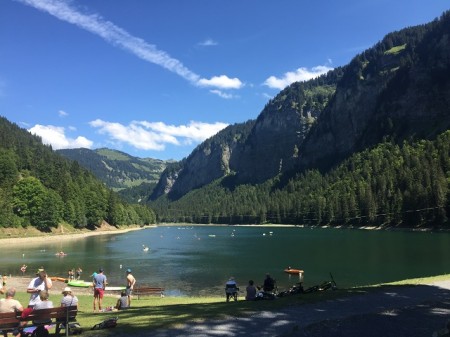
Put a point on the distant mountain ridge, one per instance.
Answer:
(118, 170)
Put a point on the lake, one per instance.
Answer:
(192, 261)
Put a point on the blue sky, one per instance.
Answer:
(156, 78)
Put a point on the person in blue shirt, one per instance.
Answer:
(99, 288)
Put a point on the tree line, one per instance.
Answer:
(390, 185)
(42, 189)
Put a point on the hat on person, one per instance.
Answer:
(67, 290)
(128, 270)
(39, 270)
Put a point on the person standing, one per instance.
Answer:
(131, 281)
(23, 269)
(99, 288)
(39, 283)
(79, 271)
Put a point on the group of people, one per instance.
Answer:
(251, 290)
(100, 282)
(39, 287)
(73, 274)
(39, 296)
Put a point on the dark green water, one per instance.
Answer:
(199, 260)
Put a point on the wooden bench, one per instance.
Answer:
(147, 291)
(10, 321)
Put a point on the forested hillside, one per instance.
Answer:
(42, 189)
(389, 185)
(363, 145)
(118, 170)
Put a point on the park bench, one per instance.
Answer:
(147, 291)
(60, 316)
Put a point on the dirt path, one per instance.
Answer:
(409, 311)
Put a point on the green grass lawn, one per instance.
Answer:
(155, 312)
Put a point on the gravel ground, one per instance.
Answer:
(397, 311)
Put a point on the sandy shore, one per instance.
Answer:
(53, 237)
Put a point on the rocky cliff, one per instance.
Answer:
(399, 89)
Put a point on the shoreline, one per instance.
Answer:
(36, 239)
(66, 237)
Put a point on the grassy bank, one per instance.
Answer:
(154, 312)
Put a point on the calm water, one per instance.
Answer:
(199, 260)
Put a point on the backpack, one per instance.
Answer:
(106, 324)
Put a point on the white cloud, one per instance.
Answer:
(208, 43)
(62, 113)
(113, 34)
(155, 135)
(222, 81)
(301, 74)
(222, 94)
(119, 37)
(55, 136)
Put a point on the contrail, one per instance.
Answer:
(116, 36)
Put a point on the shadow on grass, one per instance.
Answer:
(400, 310)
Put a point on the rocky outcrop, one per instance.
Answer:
(399, 89)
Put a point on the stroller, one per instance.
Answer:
(231, 291)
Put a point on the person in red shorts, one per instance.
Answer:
(99, 288)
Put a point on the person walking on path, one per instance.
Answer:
(39, 283)
(131, 281)
(99, 288)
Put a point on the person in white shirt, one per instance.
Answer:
(38, 284)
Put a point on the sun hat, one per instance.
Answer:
(67, 290)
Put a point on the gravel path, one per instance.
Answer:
(394, 311)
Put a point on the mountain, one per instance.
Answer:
(41, 188)
(117, 169)
(397, 90)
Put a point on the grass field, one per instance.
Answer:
(155, 312)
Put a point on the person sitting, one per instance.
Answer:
(122, 302)
(231, 289)
(68, 298)
(250, 291)
(269, 284)
(9, 304)
(43, 304)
